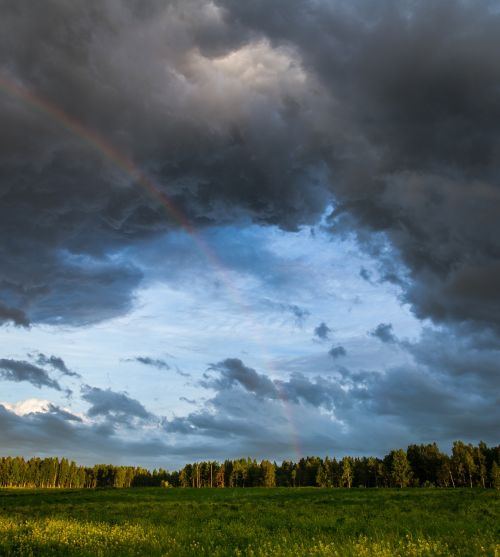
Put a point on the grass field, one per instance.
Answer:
(250, 522)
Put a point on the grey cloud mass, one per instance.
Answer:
(13, 315)
(58, 431)
(361, 409)
(265, 109)
(384, 332)
(114, 406)
(56, 363)
(298, 388)
(233, 371)
(322, 331)
(19, 370)
(423, 127)
(337, 352)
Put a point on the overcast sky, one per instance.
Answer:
(265, 228)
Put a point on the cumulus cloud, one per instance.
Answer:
(233, 371)
(53, 431)
(427, 399)
(299, 388)
(114, 406)
(322, 331)
(337, 352)
(27, 406)
(35, 406)
(470, 358)
(19, 370)
(352, 411)
(248, 424)
(384, 332)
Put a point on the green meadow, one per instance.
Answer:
(250, 522)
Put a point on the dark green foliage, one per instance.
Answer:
(425, 462)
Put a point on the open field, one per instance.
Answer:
(250, 522)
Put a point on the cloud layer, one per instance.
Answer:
(18, 370)
(258, 109)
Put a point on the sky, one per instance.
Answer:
(266, 229)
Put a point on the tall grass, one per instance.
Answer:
(250, 522)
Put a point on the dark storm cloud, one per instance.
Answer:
(471, 358)
(260, 109)
(414, 149)
(113, 406)
(450, 390)
(13, 315)
(147, 361)
(18, 370)
(434, 405)
(60, 290)
(146, 81)
(384, 332)
(56, 363)
(322, 331)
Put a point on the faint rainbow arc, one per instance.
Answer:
(131, 169)
(115, 156)
(94, 139)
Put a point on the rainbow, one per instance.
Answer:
(99, 143)
(121, 161)
(112, 154)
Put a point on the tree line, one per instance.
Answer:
(54, 472)
(418, 466)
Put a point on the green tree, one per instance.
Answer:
(480, 463)
(462, 463)
(322, 476)
(400, 468)
(268, 473)
(185, 477)
(495, 475)
(347, 471)
(425, 462)
(375, 471)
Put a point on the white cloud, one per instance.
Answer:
(28, 406)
